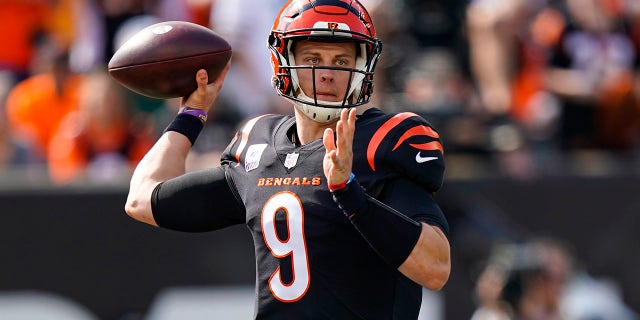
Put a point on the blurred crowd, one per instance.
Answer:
(520, 88)
(62, 116)
(542, 279)
(517, 88)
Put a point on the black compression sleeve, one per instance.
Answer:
(196, 202)
(390, 233)
(413, 200)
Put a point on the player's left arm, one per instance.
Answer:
(419, 250)
(429, 262)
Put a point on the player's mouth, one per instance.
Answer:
(327, 96)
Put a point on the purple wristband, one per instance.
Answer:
(198, 113)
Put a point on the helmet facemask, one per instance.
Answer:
(320, 110)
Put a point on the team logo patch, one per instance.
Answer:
(254, 153)
(291, 160)
(328, 27)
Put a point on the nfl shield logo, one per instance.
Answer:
(291, 160)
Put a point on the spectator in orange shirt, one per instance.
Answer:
(36, 105)
(21, 22)
(102, 140)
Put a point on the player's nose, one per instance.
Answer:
(325, 75)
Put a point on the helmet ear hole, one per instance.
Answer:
(277, 84)
(282, 85)
(274, 41)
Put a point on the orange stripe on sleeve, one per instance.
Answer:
(433, 145)
(382, 132)
(245, 135)
(417, 131)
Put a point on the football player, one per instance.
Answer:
(339, 196)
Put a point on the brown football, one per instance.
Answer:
(161, 60)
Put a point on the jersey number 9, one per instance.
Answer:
(294, 245)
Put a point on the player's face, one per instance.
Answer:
(330, 85)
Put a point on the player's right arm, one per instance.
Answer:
(167, 158)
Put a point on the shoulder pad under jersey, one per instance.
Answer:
(406, 143)
(262, 126)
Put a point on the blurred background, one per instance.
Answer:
(537, 103)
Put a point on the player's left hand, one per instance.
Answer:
(339, 157)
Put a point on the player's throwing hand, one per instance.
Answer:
(204, 96)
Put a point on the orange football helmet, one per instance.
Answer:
(326, 21)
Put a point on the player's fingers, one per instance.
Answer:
(345, 135)
(352, 120)
(338, 137)
(327, 140)
(352, 123)
(203, 96)
(344, 115)
(202, 78)
(340, 126)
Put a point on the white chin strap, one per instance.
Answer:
(319, 114)
(324, 114)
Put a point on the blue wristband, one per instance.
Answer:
(340, 186)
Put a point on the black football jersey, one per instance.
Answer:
(311, 261)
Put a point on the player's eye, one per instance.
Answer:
(312, 60)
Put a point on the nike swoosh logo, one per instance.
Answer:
(420, 159)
